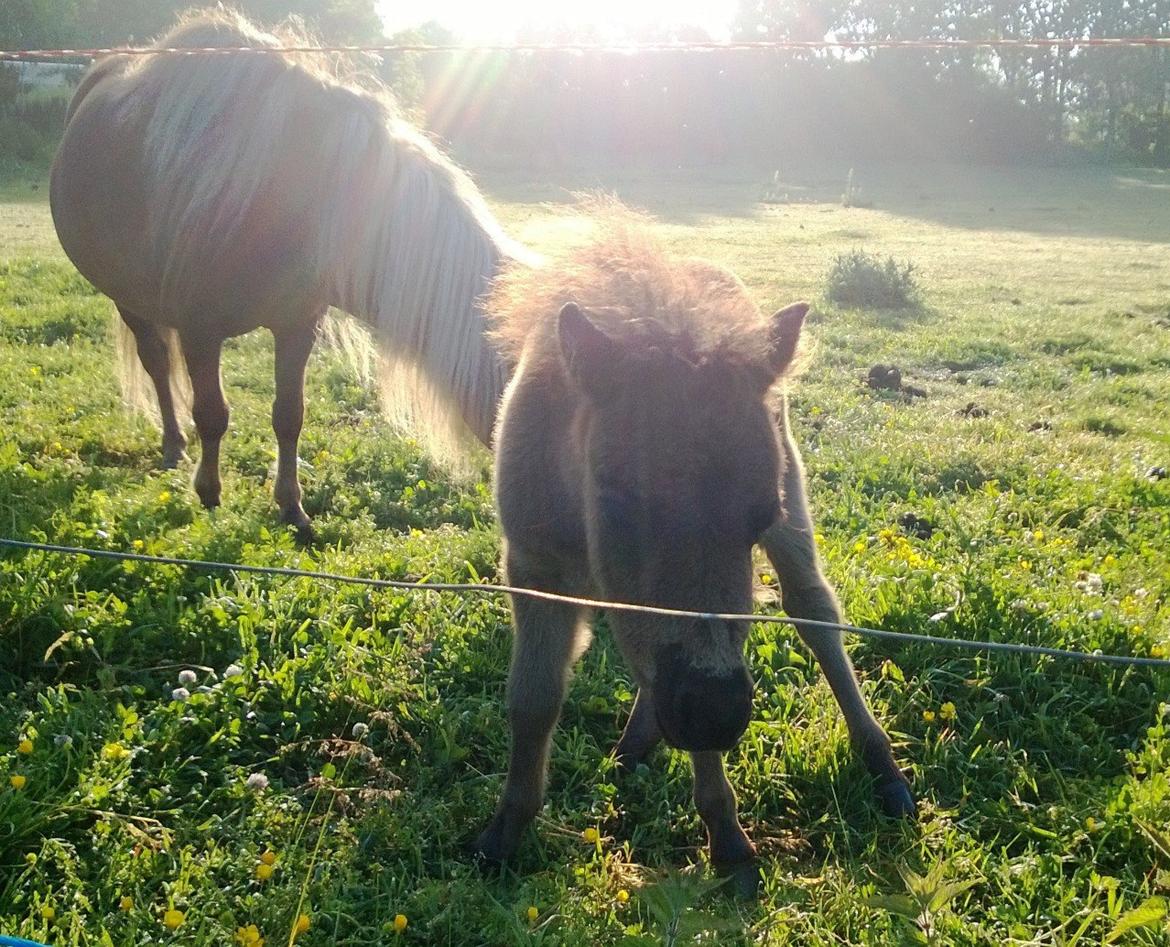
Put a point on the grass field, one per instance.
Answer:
(1043, 346)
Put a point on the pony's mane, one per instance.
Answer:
(635, 290)
(400, 235)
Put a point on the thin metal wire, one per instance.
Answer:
(700, 46)
(469, 588)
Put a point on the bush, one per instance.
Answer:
(44, 114)
(22, 142)
(9, 85)
(31, 124)
(860, 280)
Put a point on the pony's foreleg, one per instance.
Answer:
(293, 346)
(806, 594)
(548, 637)
(152, 352)
(641, 734)
(731, 850)
(210, 411)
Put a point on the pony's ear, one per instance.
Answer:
(588, 352)
(784, 335)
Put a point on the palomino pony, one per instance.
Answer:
(211, 194)
(637, 460)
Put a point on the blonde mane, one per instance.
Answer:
(398, 234)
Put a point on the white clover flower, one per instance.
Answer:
(360, 730)
(187, 677)
(180, 694)
(1091, 583)
(1096, 615)
(257, 782)
(232, 670)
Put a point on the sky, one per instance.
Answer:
(498, 20)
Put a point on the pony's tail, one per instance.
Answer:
(137, 388)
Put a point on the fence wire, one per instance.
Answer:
(843, 45)
(470, 588)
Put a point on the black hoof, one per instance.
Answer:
(481, 859)
(628, 763)
(491, 848)
(305, 534)
(896, 800)
(742, 878)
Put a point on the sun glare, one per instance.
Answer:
(473, 20)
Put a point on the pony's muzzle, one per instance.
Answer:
(701, 712)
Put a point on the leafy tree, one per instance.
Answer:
(36, 24)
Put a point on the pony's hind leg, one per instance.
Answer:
(806, 594)
(641, 734)
(155, 358)
(293, 346)
(210, 411)
(548, 638)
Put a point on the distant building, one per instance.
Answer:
(47, 75)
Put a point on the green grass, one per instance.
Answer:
(1045, 795)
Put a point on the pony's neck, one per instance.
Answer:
(421, 256)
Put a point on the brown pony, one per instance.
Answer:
(637, 461)
(210, 194)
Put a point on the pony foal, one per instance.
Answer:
(636, 460)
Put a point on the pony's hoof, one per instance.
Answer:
(488, 851)
(481, 859)
(743, 879)
(209, 498)
(628, 761)
(305, 534)
(172, 459)
(299, 520)
(896, 800)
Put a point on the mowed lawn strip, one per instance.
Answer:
(1018, 499)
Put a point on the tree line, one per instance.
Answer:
(763, 107)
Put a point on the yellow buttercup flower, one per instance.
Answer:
(164, 496)
(623, 896)
(249, 936)
(591, 835)
(533, 914)
(268, 858)
(928, 716)
(302, 924)
(25, 746)
(126, 903)
(17, 781)
(48, 912)
(264, 872)
(400, 922)
(947, 711)
(114, 752)
(173, 919)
